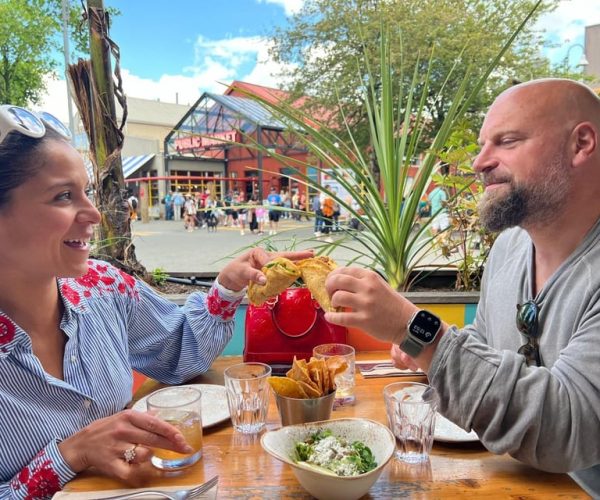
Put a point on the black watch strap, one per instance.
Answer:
(411, 347)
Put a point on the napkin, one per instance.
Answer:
(99, 495)
(383, 368)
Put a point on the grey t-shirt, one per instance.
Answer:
(548, 417)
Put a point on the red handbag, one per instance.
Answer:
(288, 325)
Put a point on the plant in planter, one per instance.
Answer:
(385, 199)
(466, 243)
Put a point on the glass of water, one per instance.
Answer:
(344, 382)
(411, 408)
(248, 396)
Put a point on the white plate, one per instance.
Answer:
(447, 432)
(213, 403)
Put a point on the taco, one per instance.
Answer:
(314, 272)
(280, 274)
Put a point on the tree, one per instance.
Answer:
(30, 46)
(95, 92)
(27, 36)
(325, 39)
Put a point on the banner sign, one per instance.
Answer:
(187, 144)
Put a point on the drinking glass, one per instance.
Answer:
(344, 394)
(411, 408)
(248, 396)
(180, 407)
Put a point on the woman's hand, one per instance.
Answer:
(103, 442)
(247, 267)
(369, 303)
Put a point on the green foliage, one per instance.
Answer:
(465, 243)
(159, 276)
(26, 38)
(31, 46)
(320, 45)
(386, 200)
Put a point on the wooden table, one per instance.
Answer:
(246, 471)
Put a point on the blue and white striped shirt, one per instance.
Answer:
(113, 323)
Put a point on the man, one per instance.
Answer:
(274, 201)
(525, 376)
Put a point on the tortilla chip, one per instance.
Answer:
(314, 272)
(299, 372)
(287, 387)
(316, 377)
(311, 391)
(280, 274)
(319, 374)
(335, 366)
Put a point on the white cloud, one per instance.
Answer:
(565, 27)
(289, 6)
(217, 62)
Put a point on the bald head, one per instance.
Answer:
(554, 100)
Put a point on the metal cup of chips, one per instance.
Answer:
(307, 392)
(300, 411)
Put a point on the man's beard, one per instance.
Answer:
(535, 203)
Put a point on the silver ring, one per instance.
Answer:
(129, 454)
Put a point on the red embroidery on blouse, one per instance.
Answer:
(7, 330)
(41, 481)
(90, 279)
(218, 306)
(129, 280)
(71, 295)
(98, 281)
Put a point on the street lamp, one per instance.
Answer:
(583, 62)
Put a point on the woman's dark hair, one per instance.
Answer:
(21, 159)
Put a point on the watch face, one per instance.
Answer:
(424, 326)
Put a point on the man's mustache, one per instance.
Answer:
(487, 178)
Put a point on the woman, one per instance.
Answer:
(190, 214)
(72, 328)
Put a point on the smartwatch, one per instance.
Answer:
(421, 330)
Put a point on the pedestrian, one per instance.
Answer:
(274, 201)
(316, 208)
(178, 201)
(439, 211)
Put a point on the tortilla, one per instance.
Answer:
(314, 272)
(287, 387)
(280, 274)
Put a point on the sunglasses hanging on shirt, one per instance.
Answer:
(528, 325)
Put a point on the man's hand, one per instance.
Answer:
(369, 303)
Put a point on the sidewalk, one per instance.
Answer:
(166, 245)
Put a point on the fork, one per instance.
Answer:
(187, 494)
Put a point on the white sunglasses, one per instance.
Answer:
(29, 123)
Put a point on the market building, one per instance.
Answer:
(211, 146)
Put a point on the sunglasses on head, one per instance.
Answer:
(29, 123)
(527, 324)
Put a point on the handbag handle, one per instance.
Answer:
(272, 305)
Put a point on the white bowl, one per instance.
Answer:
(280, 444)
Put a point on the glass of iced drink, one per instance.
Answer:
(180, 407)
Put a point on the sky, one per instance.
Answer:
(174, 51)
